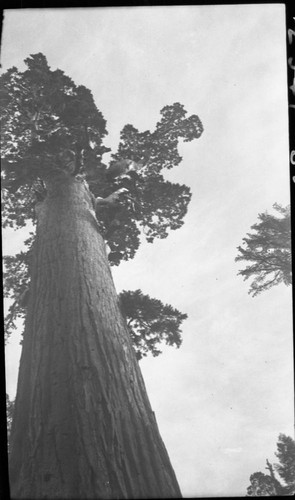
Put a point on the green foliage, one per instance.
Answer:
(50, 124)
(150, 322)
(268, 249)
(269, 484)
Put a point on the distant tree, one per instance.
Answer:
(150, 322)
(269, 484)
(262, 485)
(268, 251)
(286, 455)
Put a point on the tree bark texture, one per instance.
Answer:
(83, 426)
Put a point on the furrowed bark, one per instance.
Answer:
(83, 427)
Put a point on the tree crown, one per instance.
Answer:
(268, 250)
(150, 322)
(269, 484)
(50, 125)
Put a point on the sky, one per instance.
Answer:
(222, 399)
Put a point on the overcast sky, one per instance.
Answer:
(222, 399)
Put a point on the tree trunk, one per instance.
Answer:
(83, 426)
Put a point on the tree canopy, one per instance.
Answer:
(48, 121)
(150, 322)
(49, 124)
(286, 456)
(261, 485)
(270, 485)
(268, 251)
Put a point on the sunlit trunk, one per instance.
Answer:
(83, 426)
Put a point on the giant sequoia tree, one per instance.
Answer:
(83, 426)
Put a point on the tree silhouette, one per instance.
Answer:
(268, 250)
(261, 485)
(269, 484)
(286, 466)
(150, 322)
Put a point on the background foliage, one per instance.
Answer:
(268, 251)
